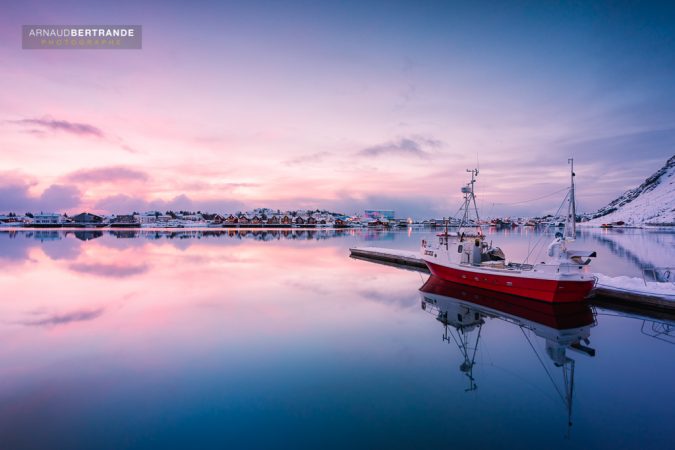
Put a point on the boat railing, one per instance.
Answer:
(658, 274)
(559, 267)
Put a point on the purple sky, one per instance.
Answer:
(345, 106)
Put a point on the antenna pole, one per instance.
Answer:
(571, 211)
(473, 197)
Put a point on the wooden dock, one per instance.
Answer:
(604, 296)
(607, 295)
(397, 258)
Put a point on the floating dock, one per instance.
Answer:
(398, 258)
(605, 294)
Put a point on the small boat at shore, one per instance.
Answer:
(466, 257)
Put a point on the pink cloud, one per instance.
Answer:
(126, 203)
(49, 124)
(15, 196)
(62, 319)
(109, 270)
(411, 146)
(309, 159)
(107, 174)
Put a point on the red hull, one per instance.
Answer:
(552, 291)
(561, 316)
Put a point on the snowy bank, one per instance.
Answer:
(636, 286)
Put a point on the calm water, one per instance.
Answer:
(280, 340)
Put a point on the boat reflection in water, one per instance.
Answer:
(463, 310)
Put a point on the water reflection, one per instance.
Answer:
(255, 234)
(65, 244)
(463, 311)
(203, 338)
(88, 235)
(651, 252)
(636, 253)
(664, 331)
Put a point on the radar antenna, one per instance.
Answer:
(469, 200)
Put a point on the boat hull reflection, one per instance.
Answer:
(463, 311)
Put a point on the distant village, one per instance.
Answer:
(259, 217)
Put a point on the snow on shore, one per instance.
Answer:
(653, 202)
(637, 286)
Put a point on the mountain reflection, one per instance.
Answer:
(463, 311)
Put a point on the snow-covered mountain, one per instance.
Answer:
(651, 203)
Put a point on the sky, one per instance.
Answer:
(338, 105)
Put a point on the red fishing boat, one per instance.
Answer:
(466, 257)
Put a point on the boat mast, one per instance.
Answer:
(571, 223)
(469, 198)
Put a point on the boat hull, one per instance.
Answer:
(559, 316)
(546, 290)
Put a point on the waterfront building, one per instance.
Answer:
(47, 220)
(125, 221)
(86, 218)
(153, 217)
